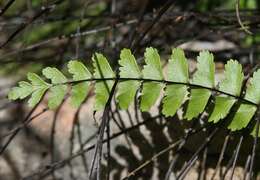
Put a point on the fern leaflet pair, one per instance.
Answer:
(179, 88)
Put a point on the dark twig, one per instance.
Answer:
(161, 12)
(239, 20)
(51, 167)
(236, 156)
(254, 148)
(221, 156)
(14, 132)
(170, 147)
(194, 157)
(246, 167)
(23, 26)
(8, 4)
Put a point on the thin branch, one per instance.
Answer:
(62, 37)
(23, 26)
(51, 167)
(221, 156)
(236, 156)
(194, 157)
(239, 20)
(14, 132)
(254, 148)
(170, 147)
(162, 81)
(8, 4)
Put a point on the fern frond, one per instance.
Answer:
(178, 87)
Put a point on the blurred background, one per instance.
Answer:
(39, 33)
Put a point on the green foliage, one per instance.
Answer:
(175, 93)
(231, 84)
(246, 111)
(102, 70)
(127, 89)
(37, 88)
(79, 91)
(22, 91)
(178, 86)
(58, 91)
(204, 76)
(152, 70)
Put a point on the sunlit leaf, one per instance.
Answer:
(232, 85)
(242, 117)
(127, 89)
(80, 90)
(246, 111)
(175, 93)
(152, 70)
(102, 70)
(57, 91)
(22, 91)
(204, 76)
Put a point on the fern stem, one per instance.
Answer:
(160, 81)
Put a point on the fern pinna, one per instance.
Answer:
(179, 88)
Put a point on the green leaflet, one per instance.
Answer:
(242, 117)
(152, 70)
(36, 81)
(36, 97)
(21, 92)
(177, 72)
(174, 97)
(231, 84)
(58, 91)
(54, 75)
(57, 94)
(37, 88)
(204, 76)
(127, 89)
(198, 101)
(221, 108)
(102, 69)
(246, 111)
(253, 91)
(79, 91)
(233, 78)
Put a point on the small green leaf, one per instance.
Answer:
(127, 89)
(222, 108)
(102, 69)
(253, 132)
(79, 91)
(198, 101)
(242, 117)
(174, 97)
(21, 92)
(54, 75)
(177, 72)
(36, 81)
(246, 111)
(253, 91)
(57, 94)
(233, 78)
(231, 84)
(152, 70)
(36, 96)
(204, 76)
(57, 91)
(39, 87)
